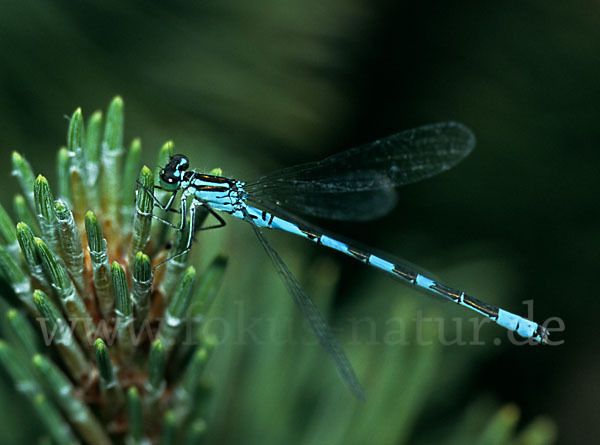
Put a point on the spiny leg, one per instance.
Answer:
(165, 222)
(192, 229)
(164, 207)
(219, 218)
(158, 218)
(181, 210)
(169, 223)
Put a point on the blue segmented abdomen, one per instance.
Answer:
(508, 320)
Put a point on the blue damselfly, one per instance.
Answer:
(356, 185)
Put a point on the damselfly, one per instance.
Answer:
(353, 185)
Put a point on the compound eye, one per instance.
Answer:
(185, 163)
(180, 162)
(167, 177)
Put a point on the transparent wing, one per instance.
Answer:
(314, 318)
(358, 184)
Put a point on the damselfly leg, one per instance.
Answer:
(195, 204)
(192, 228)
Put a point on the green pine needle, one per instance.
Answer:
(105, 365)
(168, 429)
(112, 154)
(12, 272)
(156, 367)
(142, 287)
(51, 418)
(25, 176)
(29, 249)
(44, 204)
(132, 166)
(100, 267)
(75, 135)
(7, 230)
(24, 214)
(64, 392)
(121, 290)
(67, 294)
(63, 166)
(176, 311)
(93, 138)
(124, 310)
(55, 330)
(70, 243)
(22, 333)
(134, 405)
(142, 220)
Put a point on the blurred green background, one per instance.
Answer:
(253, 86)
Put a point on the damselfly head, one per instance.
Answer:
(172, 173)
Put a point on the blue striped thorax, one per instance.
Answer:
(219, 192)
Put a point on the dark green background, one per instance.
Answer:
(252, 86)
